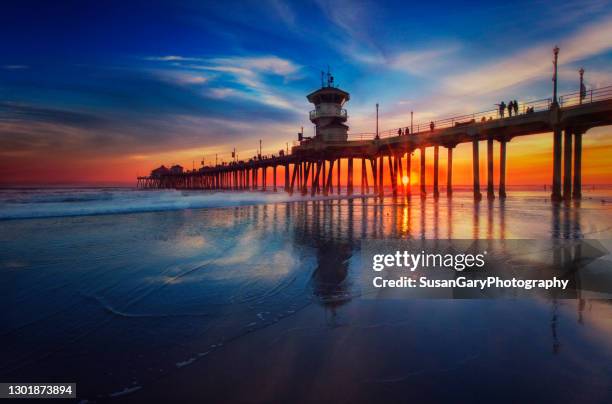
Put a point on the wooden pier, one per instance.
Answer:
(309, 167)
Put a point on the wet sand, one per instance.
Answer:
(263, 303)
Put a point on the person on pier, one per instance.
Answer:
(515, 106)
(431, 126)
(502, 109)
(399, 132)
(407, 131)
(510, 108)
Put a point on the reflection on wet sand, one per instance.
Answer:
(330, 227)
(184, 294)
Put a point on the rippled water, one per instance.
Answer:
(261, 301)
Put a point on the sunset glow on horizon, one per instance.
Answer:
(186, 83)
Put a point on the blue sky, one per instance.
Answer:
(157, 80)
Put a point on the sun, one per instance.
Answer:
(405, 180)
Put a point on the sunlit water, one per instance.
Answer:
(251, 298)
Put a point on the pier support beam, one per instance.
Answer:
(286, 177)
(556, 182)
(400, 177)
(567, 165)
(408, 172)
(436, 190)
(476, 169)
(293, 177)
(394, 173)
(363, 175)
(577, 165)
(374, 176)
(423, 191)
(327, 185)
(315, 178)
(449, 171)
(305, 179)
(490, 189)
(381, 183)
(502, 168)
(274, 178)
(338, 175)
(349, 186)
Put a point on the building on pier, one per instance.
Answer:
(329, 116)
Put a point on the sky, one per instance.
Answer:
(100, 92)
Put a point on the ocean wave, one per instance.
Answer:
(44, 203)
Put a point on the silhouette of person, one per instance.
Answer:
(431, 126)
(515, 106)
(406, 131)
(399, 132)
(510, 108)
(502, 109)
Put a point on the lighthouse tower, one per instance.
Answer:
(328, 115)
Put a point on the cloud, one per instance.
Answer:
(251, 74)
(15, 67)
(283, 11)
(533, 62)
(181, 78)
(171, 58)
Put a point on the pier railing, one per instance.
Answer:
(585, 97)
(544, 104)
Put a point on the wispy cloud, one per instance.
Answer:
(533, 62)
(15, 67)
(249, 72)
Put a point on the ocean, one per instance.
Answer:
(150, 295)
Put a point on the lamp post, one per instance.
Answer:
(555, 59)
(582, 88)
(411, 128)
(377, 135)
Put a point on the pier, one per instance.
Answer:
(313, 164)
